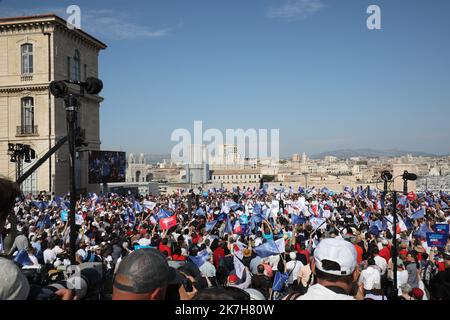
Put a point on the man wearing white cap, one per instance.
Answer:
(335, 268)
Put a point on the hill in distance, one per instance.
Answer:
(370, 153)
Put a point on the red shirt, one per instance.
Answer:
(196, 239)
(163, 248)
(403, 252)
(218, 253)
(385, 253)
(359, 252)
(178, 258)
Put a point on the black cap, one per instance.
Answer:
(145, 270)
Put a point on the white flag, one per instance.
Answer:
(281, 245)
(238, 267)
(149, 204)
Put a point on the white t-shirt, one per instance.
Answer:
(319, 292)
(49, 256)
(144, 242)
(371, 278)
(402, 278)
(295, 266)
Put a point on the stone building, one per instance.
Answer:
(34, 51)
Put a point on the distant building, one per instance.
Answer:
(235, 176)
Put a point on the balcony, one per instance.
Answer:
(22, 131)
(26, 77)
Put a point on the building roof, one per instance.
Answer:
(241, 171)
(49, 18)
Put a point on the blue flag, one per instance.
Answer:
(22, 258)
(228, 227)
(279, 281)
(222, 216)
(267, 249)
(296, 219)
(200, 212)
(418, 214)
(408, 223)
(163, 214)
(137, 206)
(423, 230)
(200, 259)
(210, 225)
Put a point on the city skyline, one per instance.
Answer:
(309, 68)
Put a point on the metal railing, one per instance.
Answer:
(26, 130)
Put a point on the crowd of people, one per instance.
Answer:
(248, 243)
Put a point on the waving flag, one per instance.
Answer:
(267, 249)
(237, 229)
(228, 227)
(296, 219)
(167, 223)
(238, 248)
(423, 229)
(22, 258)
(200, 212)
(149, 204)
(318, 223)
(418, 214)
(137, 206)
(200, 259)
(279, 281)
(222, 216)
(210, 225)
(163, 214)
(281, 245)
(238, 267)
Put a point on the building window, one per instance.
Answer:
(27, 115)
(68, 68)
(76, 66)
(85, 72)
(27, 58)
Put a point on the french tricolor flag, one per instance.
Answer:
(237, 229)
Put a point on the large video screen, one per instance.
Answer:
(106, 166)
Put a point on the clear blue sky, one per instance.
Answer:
(308, 67)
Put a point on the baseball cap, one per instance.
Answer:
(13, 283)
(339, 251)
(233, 278)
(144, 270)
(417, 293)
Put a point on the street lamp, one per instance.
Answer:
(386, 176)
(60, 89)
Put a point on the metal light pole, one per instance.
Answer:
(71, 104)
(387, 176)
(394, 243)
(60, 89)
